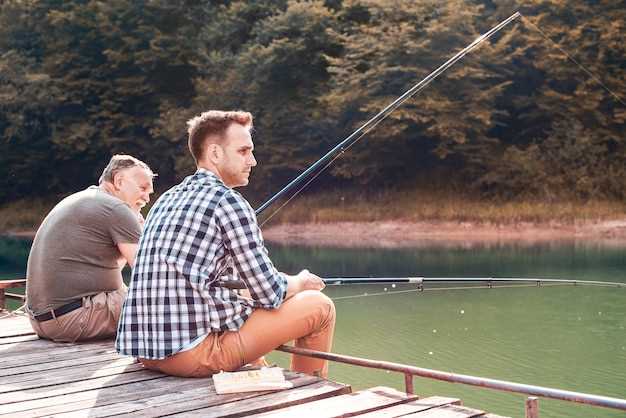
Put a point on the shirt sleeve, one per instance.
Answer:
(124, 225)
(242, 238)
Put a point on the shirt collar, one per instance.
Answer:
(202, 173)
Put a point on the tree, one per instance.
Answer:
(388, 47)
(276, 73)
(109, 70)
(564, 135)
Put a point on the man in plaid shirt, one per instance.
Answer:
(179, 317)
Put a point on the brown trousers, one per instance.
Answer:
(96, 319)
(307, 317)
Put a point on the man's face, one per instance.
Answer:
(134, 186)
(237, 157)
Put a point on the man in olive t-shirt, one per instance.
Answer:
(74, 287)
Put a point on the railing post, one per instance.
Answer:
(532, 407)
(2, 299)
(408, 384)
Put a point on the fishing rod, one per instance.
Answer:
(370, 124)
(420, 281)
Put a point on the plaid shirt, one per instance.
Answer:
(198, 234)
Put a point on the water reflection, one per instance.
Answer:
(13, 257)
(582, 261)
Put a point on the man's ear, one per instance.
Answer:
(214, 153)
(117, 181)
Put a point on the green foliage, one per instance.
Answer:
(388, 53)
(563, 133)
(88, 83)
(571, 160)
(81, 80)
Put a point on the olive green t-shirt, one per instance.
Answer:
(75, 251)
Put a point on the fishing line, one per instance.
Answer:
(317, 174)
(589, 73)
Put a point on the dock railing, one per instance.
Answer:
(411, 371)
(11, 284)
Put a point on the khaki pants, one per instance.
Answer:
(96, 319)
(308, 318)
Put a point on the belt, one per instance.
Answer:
(62, 310)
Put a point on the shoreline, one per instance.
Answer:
(398, 234)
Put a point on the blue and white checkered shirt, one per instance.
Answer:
(198, 234)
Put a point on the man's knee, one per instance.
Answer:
(318, 304)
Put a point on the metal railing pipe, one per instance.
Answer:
(545, 392)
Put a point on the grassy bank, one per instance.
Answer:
(408, 205)
(440, 206)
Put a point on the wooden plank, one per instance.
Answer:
(23, 338)
(12, 328)
(14, 319)
(48, 352)
(412, 407)
(345, 405)
(95, 397)
(42, 357)
(15, 325)
(28, 344)
(143, 396)
(449, 411)
(41, 380)
(168, 404)
(186, 402)
(14, 333)
(29, 368)
(73, 387)
(41, 347)
(271, 401)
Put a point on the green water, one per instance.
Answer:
(566, 337)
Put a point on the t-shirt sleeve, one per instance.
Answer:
(124, 225)
(242, 237)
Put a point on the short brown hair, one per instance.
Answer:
(121, 162)
(212, 124)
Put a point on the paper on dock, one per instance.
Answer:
(267, 378)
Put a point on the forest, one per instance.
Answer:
(517, 118)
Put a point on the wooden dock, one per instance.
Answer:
(42, 378)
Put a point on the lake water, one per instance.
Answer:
(566, 337)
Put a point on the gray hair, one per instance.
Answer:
(121, 162)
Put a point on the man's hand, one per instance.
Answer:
(137, 210)
(310, 281)
(305, 280)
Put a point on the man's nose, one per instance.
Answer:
(252, 160)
